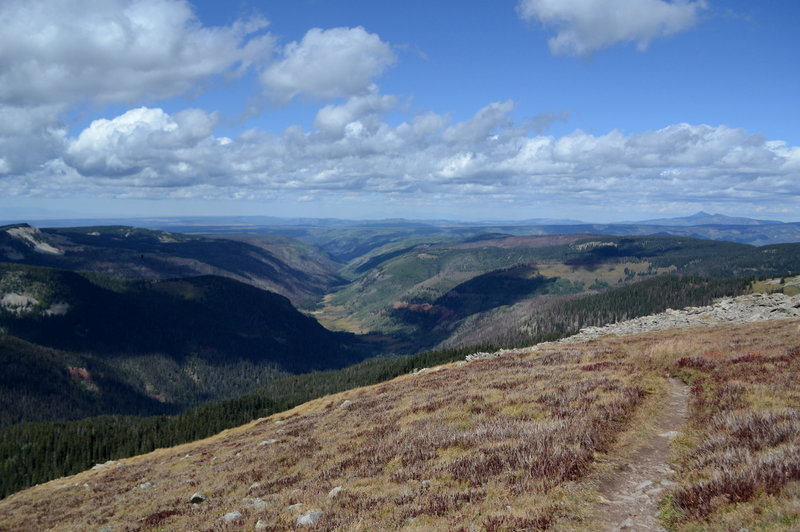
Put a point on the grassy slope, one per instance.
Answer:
(502, 444)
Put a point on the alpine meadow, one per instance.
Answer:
(426, 266)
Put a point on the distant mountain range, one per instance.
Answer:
(289, 268)
(704, 218)
(320, 232)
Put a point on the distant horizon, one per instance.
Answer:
(32, 220)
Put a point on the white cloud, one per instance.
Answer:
(151, 145)
(487, 159)
(367, 109)
(56, 55)
(65, 51)
(328, 64)
(587, 26)
(30, 136)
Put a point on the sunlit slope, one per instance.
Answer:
(406, 290)
(515, 442)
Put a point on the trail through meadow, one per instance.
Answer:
(631, 493)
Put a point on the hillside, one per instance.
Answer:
(290, 268)
(535, 439)
(147, 346)
(432, 293)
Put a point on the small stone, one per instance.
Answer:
(255, 485)
(231, 516)
(197, 498)
(346, 403)
(105, 464)
(257, 503)
(334, 492)
(267, 442)
(146, 485)
(309, 518)
(108, 528)
(671, 434)
(261, 524)
(294, 507)
(426, 484)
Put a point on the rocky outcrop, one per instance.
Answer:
(733, 311)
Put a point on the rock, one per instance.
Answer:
(627, 524)
(146, 485)
(105, 464)
(255, 485)
(644, 485)
(261, 524)
(334, 492)
(671, 434)
(267, 442)
(197, 498)
(231, 516)
(346, 403)
(108, 528)
(255, 503)
(309, 518)
(294, 507)
(738, 310)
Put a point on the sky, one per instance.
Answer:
(597, 110)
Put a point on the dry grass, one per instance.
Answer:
(500, 444)
(744, 456)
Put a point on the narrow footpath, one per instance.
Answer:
(631, 493)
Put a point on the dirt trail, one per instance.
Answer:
(630, 494)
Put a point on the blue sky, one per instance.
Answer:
(600, 110)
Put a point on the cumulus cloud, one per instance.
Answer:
(328, 64)
(63, 51)
(587, 26)
(157, 148)
(353, 153)
(59, 54)
(356, 112)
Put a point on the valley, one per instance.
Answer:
(118, 341)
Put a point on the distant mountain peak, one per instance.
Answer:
(704, 218)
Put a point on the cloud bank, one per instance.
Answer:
(354, 151)
(587, 26)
